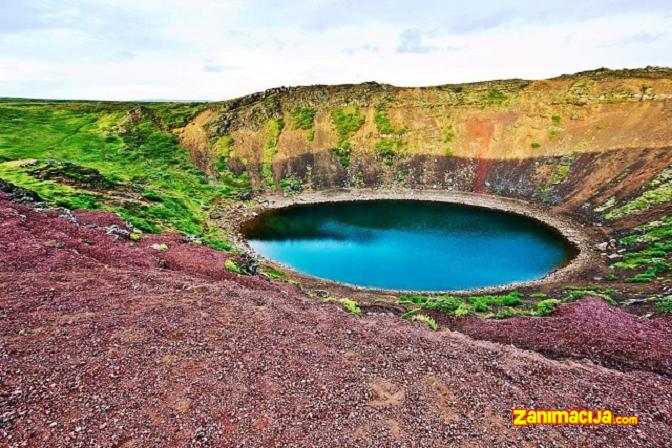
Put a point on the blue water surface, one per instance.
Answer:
(408, 245)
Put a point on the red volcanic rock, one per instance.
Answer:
(588, 328)
(102, 344)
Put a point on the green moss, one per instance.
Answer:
(175, 115)
(386, 150)
(347, 120)
(575, 293)
(232, 266)
(272, 273)
(291, 185)
(535, 145)
(463, 310)
(504, 314)
(303, 118)
(410, 313)
(431, 323)
(343, 154)
(658, 191)
(383, 124)
(546, 307)
(456, 306)
(273, 129)
(556, 119)
(224, 145)
(664, 305)
(351, 306)
(448, 134)
(104, 150)
(496, 96)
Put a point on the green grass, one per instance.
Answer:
(575, 293)
(386, 150)
(382, 120)
(431, 323)
(657, 192)
(272, 273)
(232, 266)
(303, 118)
(350, 306)
(347, 121)
(146, 177)
(484, 305)
(654, 258)
(290, 185)
(546, 307)
(664, 305)
(496, 96)
(273, 129)
(448, 133)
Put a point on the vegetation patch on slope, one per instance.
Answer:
(119, 157)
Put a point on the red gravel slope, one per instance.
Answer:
(106, 342)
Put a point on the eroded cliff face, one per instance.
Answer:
(585, 143)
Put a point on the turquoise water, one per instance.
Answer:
(408, 245)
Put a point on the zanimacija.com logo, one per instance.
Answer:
(529, 417)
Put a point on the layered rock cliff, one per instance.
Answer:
(590, 142)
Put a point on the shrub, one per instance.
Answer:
(350, 306)
(431, 323)
(413, 298)
(383, 122)
(343, 154)
(463, 310)
(347, 121)
(232, 266)
(386, 150)
(664, 305)
(511, 299)
(303, 118)
(410, 313)
(535, 145)
(546, 307)
(480, 306)
(290, 184)
(272, 273)
(496, 96)
(503, 314)
(444, 304)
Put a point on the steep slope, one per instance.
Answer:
(576, 142)
(109, 342)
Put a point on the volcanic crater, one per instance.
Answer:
(134, 314)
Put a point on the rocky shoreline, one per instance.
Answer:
(576, 234)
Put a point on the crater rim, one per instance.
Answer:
(571, 232)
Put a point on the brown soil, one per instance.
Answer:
(107, 342)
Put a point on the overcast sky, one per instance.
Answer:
(219, 49)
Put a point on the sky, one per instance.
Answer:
(221, 49)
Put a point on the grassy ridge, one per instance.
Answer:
(120, 157)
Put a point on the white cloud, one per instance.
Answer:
(216, 50)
